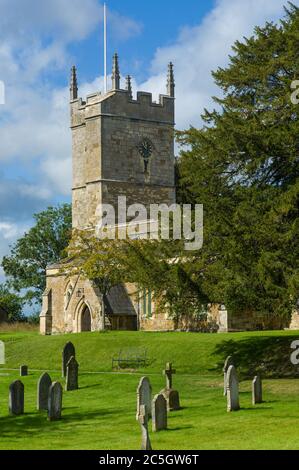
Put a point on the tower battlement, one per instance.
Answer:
(121, 102)
(143, 97)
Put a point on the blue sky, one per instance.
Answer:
(40, 40)
(159, 23)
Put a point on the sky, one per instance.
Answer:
(41, 40)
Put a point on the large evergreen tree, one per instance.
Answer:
(243, 165)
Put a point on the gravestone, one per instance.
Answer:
(173, 399)
(257, 392)
(55, 402)
(144, 396)
(71, 375)
(227, 364)
(2, 353)
(16, 398)
(159, 413)
(143, 421)
(43, 387)
(67, 352)
(233, 403)
(172, 396)
(23, 371)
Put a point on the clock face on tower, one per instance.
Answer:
(145, 149)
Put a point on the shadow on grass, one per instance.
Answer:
(257, 408)
(179, 428)
(266, 355)
(35, 423)
(85, 387)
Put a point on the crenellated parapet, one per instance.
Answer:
(120, 102)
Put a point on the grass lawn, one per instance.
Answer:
(101, 415)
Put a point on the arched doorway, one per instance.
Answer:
(86, 319)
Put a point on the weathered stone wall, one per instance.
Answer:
(106, 161)
(294, 324)
(65, 300)
(69, 297)
(245, 321)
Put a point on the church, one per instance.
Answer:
(121, 146)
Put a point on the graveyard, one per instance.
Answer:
(101, 413)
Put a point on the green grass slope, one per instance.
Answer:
(101, 414)
(191, 353)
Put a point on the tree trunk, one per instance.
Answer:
(102, 315)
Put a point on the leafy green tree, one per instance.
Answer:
(164, 267)
(44, 244)
(11, 303)
(157, 265)
(243, 165)
(99, 260)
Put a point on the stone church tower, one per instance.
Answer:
(121, 146)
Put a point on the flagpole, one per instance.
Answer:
(105, 49)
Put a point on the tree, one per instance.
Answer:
(44, 244)
(243, 165)
(96, 259)
(11, 303)
(157, 265)
(163, 267)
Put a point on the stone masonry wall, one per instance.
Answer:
(106, 161)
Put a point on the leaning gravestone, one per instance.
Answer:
(16, 398)
(233, 403)
(55, 402)
(159, 413)
(68, 352)
(143, 421)
(43, 388)
(23, 371)
(172, 396)
(257, 392)
(144, 396)
(227, 364)
(71, 375)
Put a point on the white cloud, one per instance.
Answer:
(203, 48)
(34, 37)
(66, 19)
(8, 230)
(123, 27)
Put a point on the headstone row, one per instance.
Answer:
(167, 400)
(49, 394)
(49, 397)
